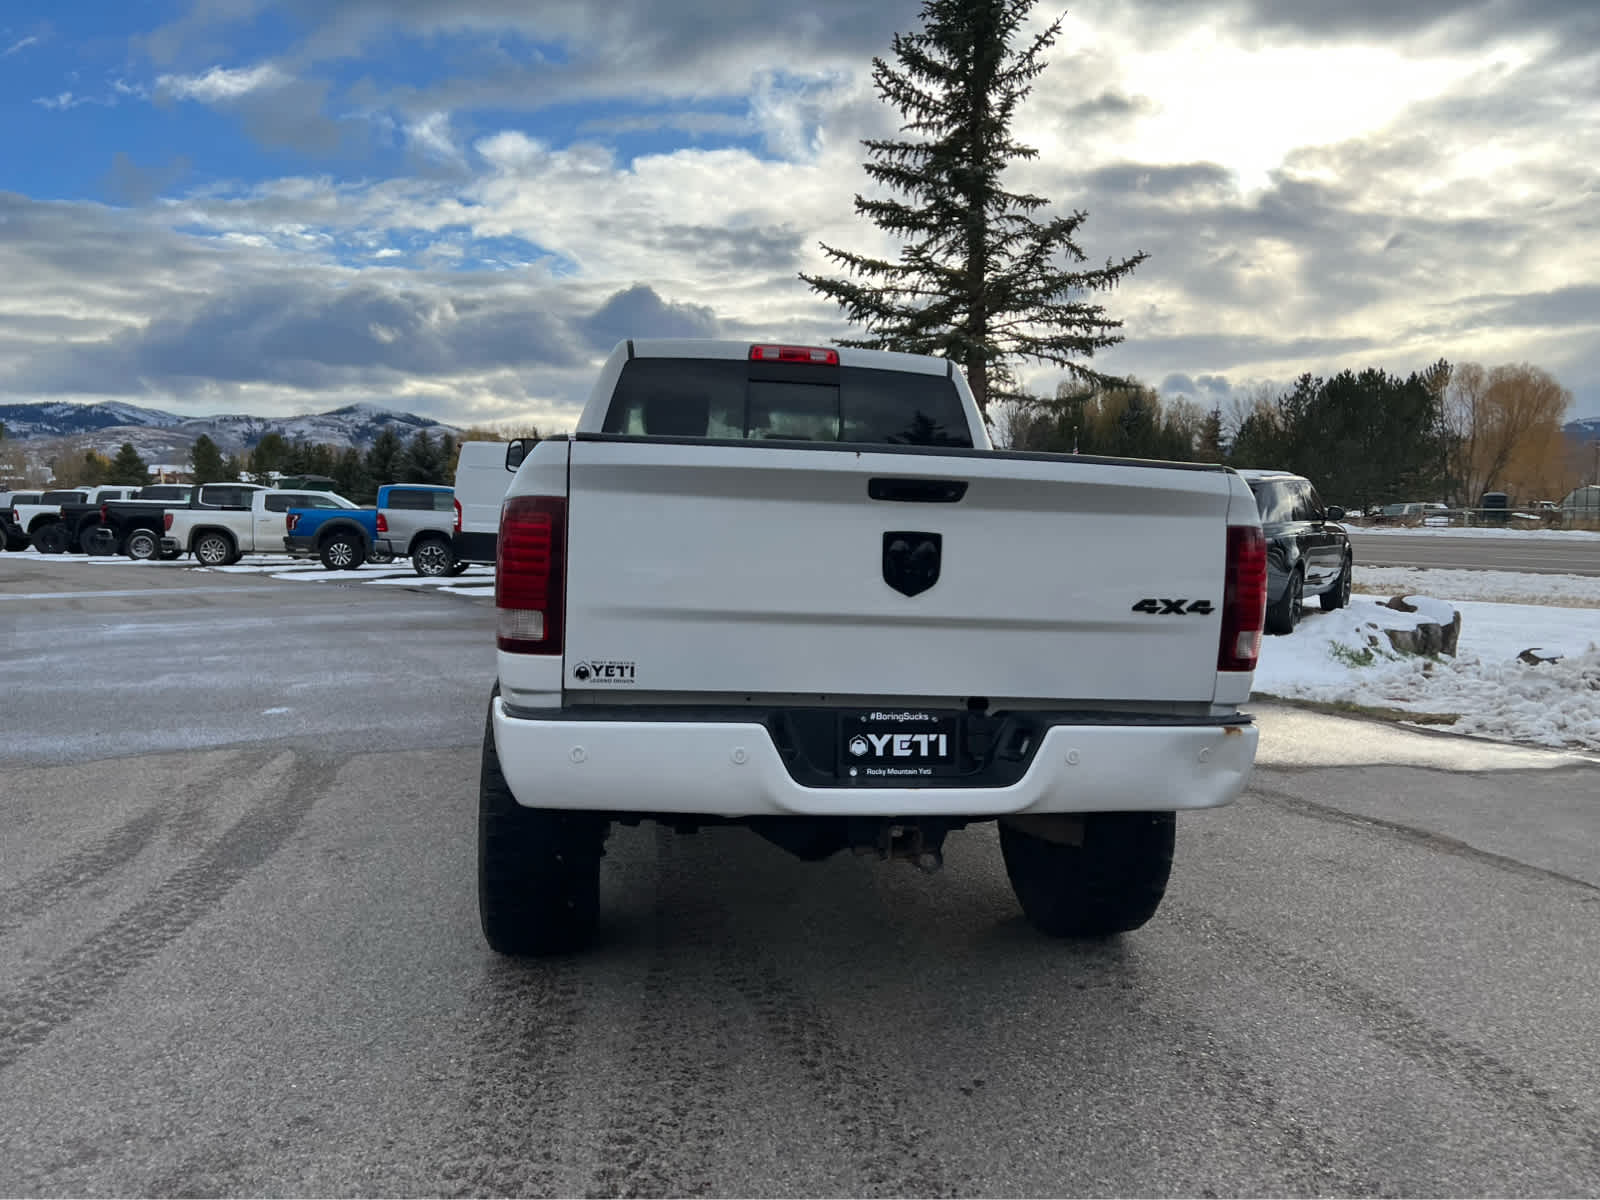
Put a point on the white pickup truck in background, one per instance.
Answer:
(219, 537)
(795, 588)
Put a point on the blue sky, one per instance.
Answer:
(231, 205)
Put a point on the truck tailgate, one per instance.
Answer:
(714, 570)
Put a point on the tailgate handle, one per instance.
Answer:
(918, 491)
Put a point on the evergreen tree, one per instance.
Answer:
(1209, 448)
(979, 280)
(424, 461)
(351, 478)
(127, 467)
(205, 461)
(383, 459)
(232, 469)
(269, 454)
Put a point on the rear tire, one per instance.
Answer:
(1110, 884)
(342, 552)
(50, 539)
(432, 558)
(16, 541)
(538, 868)
(142, 545)
(1339, 594)
(98, 539)
(213, 550)
(1284, 615)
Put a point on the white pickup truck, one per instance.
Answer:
(795, 588)
(219, 537)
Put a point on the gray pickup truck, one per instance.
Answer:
(419, 520)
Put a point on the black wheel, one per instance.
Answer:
(213, 549)
(538, 869)
(142, 544)
(16, 541)
(50, 539)
(1339, 594)
(1112, 883)
(1284, 614)
(459, 568)
(432, 558)
(169, 555)
(97, 539)
(342, 552)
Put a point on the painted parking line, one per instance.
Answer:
(101, 592)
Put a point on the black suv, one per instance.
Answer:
(1307, 552)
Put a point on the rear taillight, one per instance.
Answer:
(1244, 599)
(819, 355)
(530, 574)
(456, 504)
(105, 514)
(166, 522)
(383, 525)
(290, 521)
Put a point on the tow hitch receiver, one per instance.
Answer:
(909, 841)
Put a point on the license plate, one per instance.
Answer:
(897, 745)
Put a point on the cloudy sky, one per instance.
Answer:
(457, 207)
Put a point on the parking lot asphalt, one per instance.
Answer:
(239, 955)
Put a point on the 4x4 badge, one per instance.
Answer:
(1173, 608)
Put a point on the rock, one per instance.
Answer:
(1534, 656)
(1427, 638)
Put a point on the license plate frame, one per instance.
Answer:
(891, 747)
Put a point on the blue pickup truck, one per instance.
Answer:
(405, 521)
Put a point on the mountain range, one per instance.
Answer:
(166, 437)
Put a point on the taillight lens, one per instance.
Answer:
(818, 355)
(383, 525)
(290, 521)
(530, 575)
(456, 504)
(166, 522)
(105, 514)
(1244, 599)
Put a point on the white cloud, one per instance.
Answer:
(222, 84)
(432, 137)
(19, 45)
(62, 101)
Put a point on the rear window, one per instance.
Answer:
(419, 500)
(736, 400)
(64, 498)
(1274, 501)
(26, 498)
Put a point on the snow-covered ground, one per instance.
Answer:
(1506, 587)
(1343, 657)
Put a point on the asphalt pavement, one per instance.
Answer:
(1536, 555)
(239, 954)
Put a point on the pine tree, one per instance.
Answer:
(351, 478)
(1210, 447)
(232, 469)
(127, 467)
(423, 462)
(206, 461)
(978, 279)
(384, 458)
